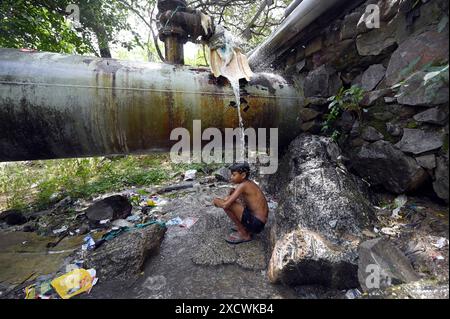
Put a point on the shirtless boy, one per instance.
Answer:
(246, 205)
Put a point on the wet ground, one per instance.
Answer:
(196, 262)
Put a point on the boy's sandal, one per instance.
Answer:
(235, 239)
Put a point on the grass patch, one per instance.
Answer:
(38, 184)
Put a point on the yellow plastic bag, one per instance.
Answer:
(73, 283)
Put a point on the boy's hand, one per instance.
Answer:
(217, 202)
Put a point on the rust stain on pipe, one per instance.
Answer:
(56, 106)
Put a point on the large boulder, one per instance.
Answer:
(381, 264)
(123, 257)
(382, 164)
(321, 214)
(416, 52)
(322, 82)
(417, 141)
(113, 207)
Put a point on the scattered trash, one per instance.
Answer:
(376, 230)
(74, 283)
(400, 201)
(60, 230)
(333, 223)
(353, 293)
(390, 231)
(133, 218)
(89, 243)
(39, 290)
(189, 175)
(151, 203)
(189, 222)
(440, 257)
(122, 223)
(441, 243)
(174, 221)
(104, 221)
(272, 204)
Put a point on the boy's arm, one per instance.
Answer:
(231, 199)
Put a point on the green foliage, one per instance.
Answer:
(38, 184)
(43, 25)
(344, 100)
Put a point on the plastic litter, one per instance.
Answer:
(189, 175)
(400, 201)
(74, 283)
(189, 222)
(89, 243)
(60, 230)
(174, 221)
(441, 243)
(352, 294)
(104, 221)
(133, 218)
(39, 290)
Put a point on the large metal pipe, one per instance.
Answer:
(302, 16)
(57, 106)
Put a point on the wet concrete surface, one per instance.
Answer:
(197, 262)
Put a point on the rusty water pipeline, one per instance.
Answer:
(60, 106)
(179, 24)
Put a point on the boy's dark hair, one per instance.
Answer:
(241, 168)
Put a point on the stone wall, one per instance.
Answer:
(398, 139)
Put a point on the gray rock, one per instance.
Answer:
(421, 289)
(390, 100)
(123, 257)
(383, 116)
(370, 98)
(372, 77)
(307, 114)
(312, 126)
(322, 82)
(348, 29)
(435, 115)
(409, 56)
(420, 89)
(440, 184)
(381, 265)
(382, 164)
(113, 207)
(313, 191)
(427, 161)
(418, 141)
(223, 174)
(13, 217)
(377, 40)
(355, 131)
(394, 129)
(371, 134)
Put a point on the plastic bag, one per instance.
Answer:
(74, 283)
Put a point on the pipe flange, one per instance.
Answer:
(173, 31)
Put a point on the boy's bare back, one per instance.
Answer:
(254, 199)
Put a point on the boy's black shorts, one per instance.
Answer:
(251, 223)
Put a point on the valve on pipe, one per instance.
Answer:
(179, 24)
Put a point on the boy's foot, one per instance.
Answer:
(235, 238)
